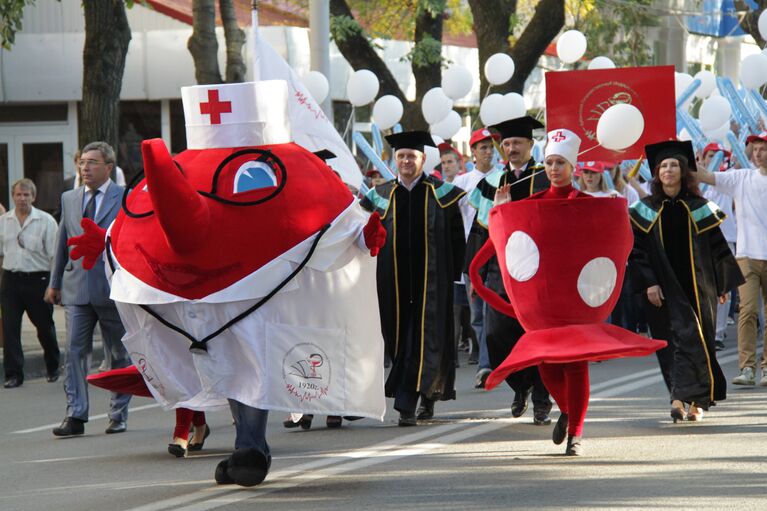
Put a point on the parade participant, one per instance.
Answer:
(234, 287)
(451, 162)
(728, 226)
(524, 178)
(375, 177)
(27, 244)
(483, 151)
(748, 187)
(422, 257)
(622, 185)
(564, 331)
(682, 263)
(591, 180)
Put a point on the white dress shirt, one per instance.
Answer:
(38, 237)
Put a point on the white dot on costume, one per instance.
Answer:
(522, 256)
(597, 281)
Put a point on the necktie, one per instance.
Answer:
(90, 207)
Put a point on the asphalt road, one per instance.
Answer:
(473, 456)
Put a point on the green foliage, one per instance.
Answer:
(11, 12)
(342, 27)
(433, 7)
(426, 52)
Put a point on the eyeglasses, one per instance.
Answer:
(89, 163)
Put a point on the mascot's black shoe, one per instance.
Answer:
(247, 467)
(221, 476)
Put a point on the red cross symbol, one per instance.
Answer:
(558, 136)
(214, 108)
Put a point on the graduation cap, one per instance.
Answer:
(519, 127)
(415, 140)
(658, 152)
(324, 154)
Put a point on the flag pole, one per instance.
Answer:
(254, 38)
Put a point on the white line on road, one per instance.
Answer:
(95, 417)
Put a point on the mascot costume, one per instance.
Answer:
(242, 272)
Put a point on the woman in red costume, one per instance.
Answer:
(542, 244)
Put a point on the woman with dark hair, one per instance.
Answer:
(682, 263)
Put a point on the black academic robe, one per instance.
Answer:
(678, 245)
(502, 332)
(417, 266)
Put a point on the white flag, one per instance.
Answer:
(311, 129)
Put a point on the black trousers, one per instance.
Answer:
(503, 332)
(20, 293)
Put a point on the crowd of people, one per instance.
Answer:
(699, 236)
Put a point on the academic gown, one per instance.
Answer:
(502, 331)
(417, 266)
(678, 245)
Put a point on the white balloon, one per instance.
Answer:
(601, 63)
(491, 110)
(387, 111)
(571, 46)
(719, 134)
(681, 82)
(620, 126)
(714, 112)
(432, 158)
(513, 106)
(457, 82)
(762, 24)
(707, 83)
(753, 71)
(447, 127)
(362, 87)
(435, 105)
(499, 68)
(317, 84)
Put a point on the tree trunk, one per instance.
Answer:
(235, 38)
(491, 26)
(107, 36)
(548, 20)
(203, 44)
(427, 74)
(750, 22)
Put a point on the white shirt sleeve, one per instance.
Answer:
(729, 181)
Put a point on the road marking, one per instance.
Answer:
(76, 458)
(95, 417)
(390, 450)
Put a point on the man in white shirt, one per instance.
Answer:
(483, 152)
(27, 247)
(749, 189)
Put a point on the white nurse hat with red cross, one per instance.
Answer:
(564, 143)
(236, 114)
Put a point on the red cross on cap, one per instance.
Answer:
(214, 108)
(559, 136)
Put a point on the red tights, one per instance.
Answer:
(185, 418)
(569, 386)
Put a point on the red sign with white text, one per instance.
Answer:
(577, 99)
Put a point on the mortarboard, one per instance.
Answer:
(415, 140)
(519, 127)
(658, 152)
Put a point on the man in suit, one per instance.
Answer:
(85, 294)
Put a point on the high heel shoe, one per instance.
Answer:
(695, 414)
(198, 447)
(177, 450)
(305, 422)
(677, 411)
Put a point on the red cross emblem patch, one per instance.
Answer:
(558, 137)
(214, 108)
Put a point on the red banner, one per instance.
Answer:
(577, 99)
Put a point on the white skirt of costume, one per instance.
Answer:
(314, 347)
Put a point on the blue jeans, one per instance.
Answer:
(250, 426)
(81, 320)
(478, 305)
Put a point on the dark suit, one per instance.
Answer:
(85, 294)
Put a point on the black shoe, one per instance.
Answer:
(481, 377)
(574, 446)
(247, 467)
(116, 426)
(473, 360)
(559, 433)
(407, 419)
(221, 476)
(177, 450)
(541, 418)
(519, 406)
(426, 410)
(52, 377)
(305, 422)
(334, 421)
(70, 427)
(718, 345)
(12, 382)
(198, 447)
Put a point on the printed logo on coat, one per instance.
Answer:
(145, 368)
(306, 370)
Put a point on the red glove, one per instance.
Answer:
(375, 234)
(89, 245)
